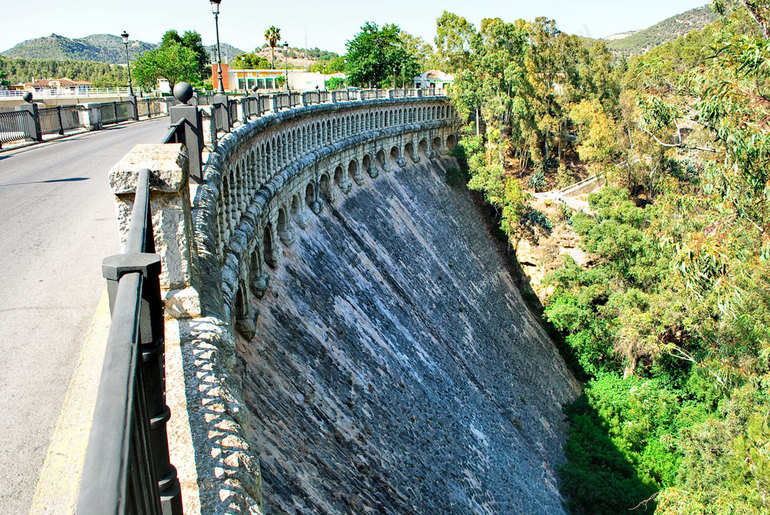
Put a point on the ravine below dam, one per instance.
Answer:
(395, 367)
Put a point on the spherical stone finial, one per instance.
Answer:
(27, 97)
(183, 92)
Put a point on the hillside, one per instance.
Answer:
(105, 48)
(668, 30)
(228, 52)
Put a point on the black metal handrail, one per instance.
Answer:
(174, 134)
(127, 468)
(15, 126)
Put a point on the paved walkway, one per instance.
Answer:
(57, 223)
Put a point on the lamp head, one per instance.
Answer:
(215, 6)
(125, 37)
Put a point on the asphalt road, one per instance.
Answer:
(57, 223)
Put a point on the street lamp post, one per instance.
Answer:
(215, 10)
(286, 64)
(128, 63)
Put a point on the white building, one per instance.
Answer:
(434, 79)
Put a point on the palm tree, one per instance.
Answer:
(273, 36)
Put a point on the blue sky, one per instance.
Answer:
(327, 25)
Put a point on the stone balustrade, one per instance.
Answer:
(266, 175)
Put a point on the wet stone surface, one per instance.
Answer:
(395, 367)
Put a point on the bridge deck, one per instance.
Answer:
(57, 223)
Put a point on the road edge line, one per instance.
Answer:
(59, 481)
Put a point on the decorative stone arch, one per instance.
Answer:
(327, 188)
(409, 150)
(269, 247)
(285, 232)
(245, 314)
(424, 150)
(253, 183)
(311, 198)
(438, 145)
(259, 277)
(397, 157)
(381, 160)
(342, 179)
(369, 166)
(451, 141)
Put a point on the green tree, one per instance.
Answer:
(328, 66)
(192, 39)
(454, 41)
(250, 61)
(273, 36)
(376, 57)
(171, 61)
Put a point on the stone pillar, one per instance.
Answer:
(171, 219)
(91, 116)
(33, 129)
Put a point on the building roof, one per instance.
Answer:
(63, 82)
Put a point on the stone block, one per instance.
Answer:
(167, 164)
(169, 204)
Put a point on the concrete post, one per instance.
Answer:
(33, 129)
(172, 218)
(193, 136)
(134, 111)
(91, 116)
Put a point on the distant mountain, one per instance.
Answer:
(106, 48)
(228, 52)
(641, 41)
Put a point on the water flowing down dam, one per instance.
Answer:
(395, 367)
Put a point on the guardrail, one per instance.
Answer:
(56, 120)
(127, 469)
(64, 93)
(31, 122)
(15, 126)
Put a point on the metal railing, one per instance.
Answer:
(221, 118)
(56, 120)
(127, 469)
(116, 112)
(16, 126)
(150, 107)
(67, 92)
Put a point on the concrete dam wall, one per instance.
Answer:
(348, 339)
(395, 367)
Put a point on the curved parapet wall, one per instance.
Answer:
(272, 171)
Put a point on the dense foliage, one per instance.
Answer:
(101, 75)
(670, 326)
(250, 61)
(178, 58)
(379, 56)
